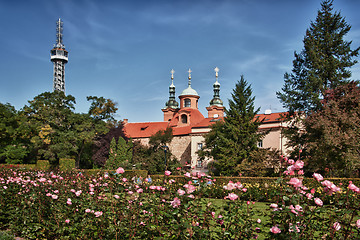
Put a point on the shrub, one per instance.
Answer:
(42, 165)
(66, 164)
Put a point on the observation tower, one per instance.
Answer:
(59, 56)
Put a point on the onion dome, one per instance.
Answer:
(189, 90)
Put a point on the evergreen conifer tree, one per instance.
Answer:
(232, 141)
(323, 63)
(120, 154)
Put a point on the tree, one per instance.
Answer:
(59, 132)
(102, 108)
(120, 154)
(323, 63)
(333, 133)
(101, 146)
(152, 157)
(15, 134)
(232, 141)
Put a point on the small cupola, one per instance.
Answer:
(171, 106)
(216, 108)
(172, 103)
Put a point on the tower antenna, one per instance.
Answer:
(59, 56)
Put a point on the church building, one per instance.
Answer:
(189, 125)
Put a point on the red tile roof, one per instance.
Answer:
(270, 118)
(144, 129)
(195, 116)
(147, 129)
(206, 122)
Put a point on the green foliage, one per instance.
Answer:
(15, 146)
(48, 128)
(66, 164)
(120, 154)
(6, 236)
(101, 108)
(333, 132)
(152, 157)
(14, 153)
(43, 165)
(107, 206)
(323, 63)
(262, 162)
(127, 174)
(231, 142)
(161, 138)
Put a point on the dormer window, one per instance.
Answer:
(183, 118)
(187, 102)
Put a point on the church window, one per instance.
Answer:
(200, 146)
(199, 164)
(187, 102)
(260, 144)
(183, 118)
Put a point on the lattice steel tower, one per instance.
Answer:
(59, 56)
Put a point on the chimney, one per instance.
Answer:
(125, 121)
(267, 111)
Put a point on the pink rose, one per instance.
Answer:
(232, 196)
(326, 183)
(116, 196)
(67, 220)
(167, 173)
(120, 170)
(230, 186)
(318, 177)
(175, 203)
(295, 182)
(275, 230)
(98, 214)
(358, 223)
(337, 226)
(181, 192)
(299, 164)
(353, 188)
(318, 202)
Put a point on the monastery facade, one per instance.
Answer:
(190, 126)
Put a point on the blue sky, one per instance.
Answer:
(124, 50)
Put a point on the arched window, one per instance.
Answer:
(187, 102)
(183, 118)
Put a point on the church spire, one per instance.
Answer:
(172, 102)
(216, 101)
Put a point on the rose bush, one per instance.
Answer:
(71, 205)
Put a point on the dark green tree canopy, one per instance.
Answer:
(232, 141)
(102, 108)
(323, 63)
(48, 128)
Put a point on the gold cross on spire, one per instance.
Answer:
(172, 73)
(189, 73)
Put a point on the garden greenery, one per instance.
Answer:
(108, 205)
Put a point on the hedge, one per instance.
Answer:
(66, 164)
